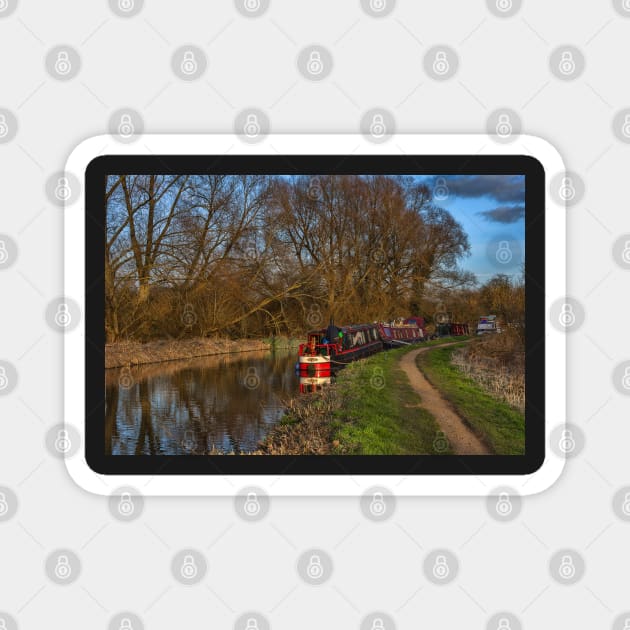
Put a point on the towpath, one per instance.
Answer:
(461, 438)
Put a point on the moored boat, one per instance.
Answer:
(402, 332)
(334, 346)
(328, 348)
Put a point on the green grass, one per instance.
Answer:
(382, 420)
(502, 427)
(442, 340)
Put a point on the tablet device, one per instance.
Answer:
(315, 314)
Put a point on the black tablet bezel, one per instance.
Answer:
(95, 230)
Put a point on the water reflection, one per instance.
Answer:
(226, 403)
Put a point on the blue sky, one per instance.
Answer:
(491, 209)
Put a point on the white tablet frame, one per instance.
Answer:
(316, 485)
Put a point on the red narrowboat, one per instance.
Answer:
(331, 347)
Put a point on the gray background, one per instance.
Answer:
(378, 63)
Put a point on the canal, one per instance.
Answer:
(217, 404)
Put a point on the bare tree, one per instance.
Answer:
(251, 254)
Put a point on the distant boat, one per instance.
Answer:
(487, 324)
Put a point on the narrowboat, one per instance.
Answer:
(402, 332)
(328, 348)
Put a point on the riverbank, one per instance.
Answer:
(372, 409)
(130, 353)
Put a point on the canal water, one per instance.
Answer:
(223, 403)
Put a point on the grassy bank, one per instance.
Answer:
(380, 413)
(128, 353)
(501, 426)
(307, 427)
(370, 410)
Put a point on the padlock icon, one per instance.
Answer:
(252, 380)
(440, 190)
(625, 506)
(625, 255)
(252, 504)
(126, 127)
(504, 5)
(4, 128)
(126, 506)
(504, 253)
(315, 570)
(441, 570)
(4, 254)
(567, 189)
(378, 624)
(188, 316)
(63, 66)
(567, 63)
(189, 64)
(63, 443)
(62, 317)
(189, 443)
(126, 5)
(504, 505)
(567, 568)
(625, 128)
(252, 126)
(315, 65)
(62, 189)
(315, 190)
(567, 442)
(125, 380)
(567, 316)
(251, 624)
(377, 5)
(378, 507)
(504, 126)
(440, 63)
(252, 5)
(377, 381)
(4, 379)
(626, 623)
(314, 316)
(189, 568)
(504, 624)
(4, 506)
(377, 126)
(63, 570)
(626, 378)
(125, 624)
(440, 443)
(3, 623)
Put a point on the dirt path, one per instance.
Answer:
(463, 441)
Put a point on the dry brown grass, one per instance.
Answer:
(307, 428)
(128, 353)
(497, 364)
